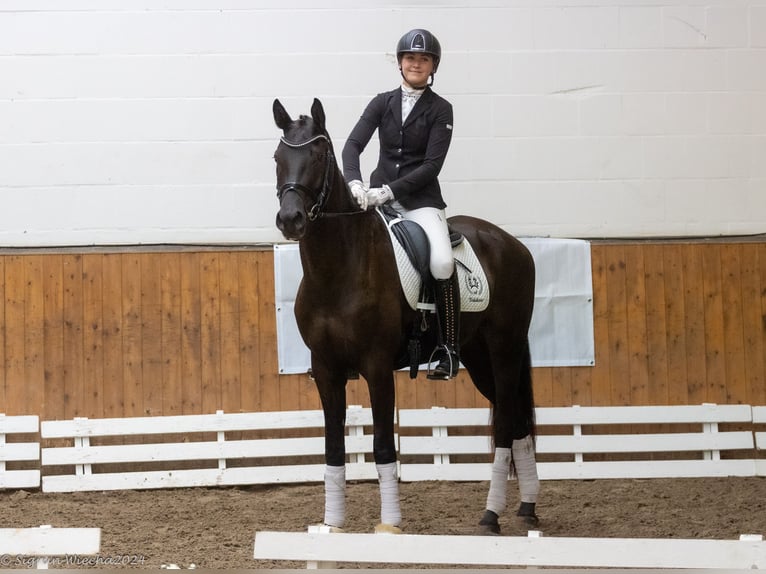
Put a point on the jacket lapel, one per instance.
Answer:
(420, 106)
(395, 105)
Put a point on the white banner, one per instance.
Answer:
(561, 333)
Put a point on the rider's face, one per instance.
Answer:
(416, 68)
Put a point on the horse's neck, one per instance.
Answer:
(344, 249)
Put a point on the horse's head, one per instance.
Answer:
(305, 169)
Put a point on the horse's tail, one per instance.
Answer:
(526, 392)
(524, 401)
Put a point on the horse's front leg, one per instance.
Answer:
(331, 385)
(382, 399)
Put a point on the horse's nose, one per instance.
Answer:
(291, 222)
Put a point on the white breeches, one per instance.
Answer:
(434, 223)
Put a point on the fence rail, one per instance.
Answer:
(321, 549)
(434, 444)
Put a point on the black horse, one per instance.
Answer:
(354, 318)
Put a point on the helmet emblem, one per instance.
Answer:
(418, 42)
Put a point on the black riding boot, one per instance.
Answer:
(447, 299)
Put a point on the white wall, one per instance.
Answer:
(149, 121)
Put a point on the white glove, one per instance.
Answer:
(359, 191)
(379, 195)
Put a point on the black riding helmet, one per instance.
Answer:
(419, 41)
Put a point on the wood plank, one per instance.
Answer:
(91, 399)
(132, 374)
(731, 295)
(619, 360)
(231, 383)
(581, 385)
(561, 385)
(635, 300)
(4, 407)
(191, 341)
(53, 337)
(151, 334)
(758, 391)
(694, 320)
(47, 541)
(601, 373)
(715, 344)
(269, 378)
(15, 291)
(249, 332)
(171, 313)
(673, 333)
(73, 335)
(511, 550)
(657, 307)
(210, 331)
(112, 336)
(34, 319)
(752, 325)
(542, 385)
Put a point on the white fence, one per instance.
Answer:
(321, 549)
(434, 444)
(698, 449)
(211, 448)
(66, 547)
(18, 451)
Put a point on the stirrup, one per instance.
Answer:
(450, 361)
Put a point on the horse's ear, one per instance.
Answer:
(317, 113)
(281, 117)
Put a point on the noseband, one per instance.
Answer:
(316, 210)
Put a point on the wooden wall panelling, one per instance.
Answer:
(132, 375)
(715, 346)
(249, 332)
(636, 319)
(667, 337)
(656, 309)
(754, 301)
(231, 386)
(53, 338)
(171, 334)
(600, 381)
(733, 335)
(694, 324)
(129, 334)
(191, 325)
(113, 392)
(92, 398)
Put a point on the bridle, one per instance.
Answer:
(316, 210)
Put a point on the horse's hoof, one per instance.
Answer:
(488, 525)
(387, 529)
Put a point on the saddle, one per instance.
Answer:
(412, 253)
(414, 240)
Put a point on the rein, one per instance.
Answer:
(317, 210)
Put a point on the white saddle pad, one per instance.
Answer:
(474, 289)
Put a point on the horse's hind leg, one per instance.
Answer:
(509, 391)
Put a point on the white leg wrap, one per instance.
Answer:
(525, 466)
(335, 495)
(498, 485)
(390, 512)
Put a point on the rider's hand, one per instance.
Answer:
(379, 195)
(359, 191)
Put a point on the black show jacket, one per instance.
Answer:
(411, 155)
